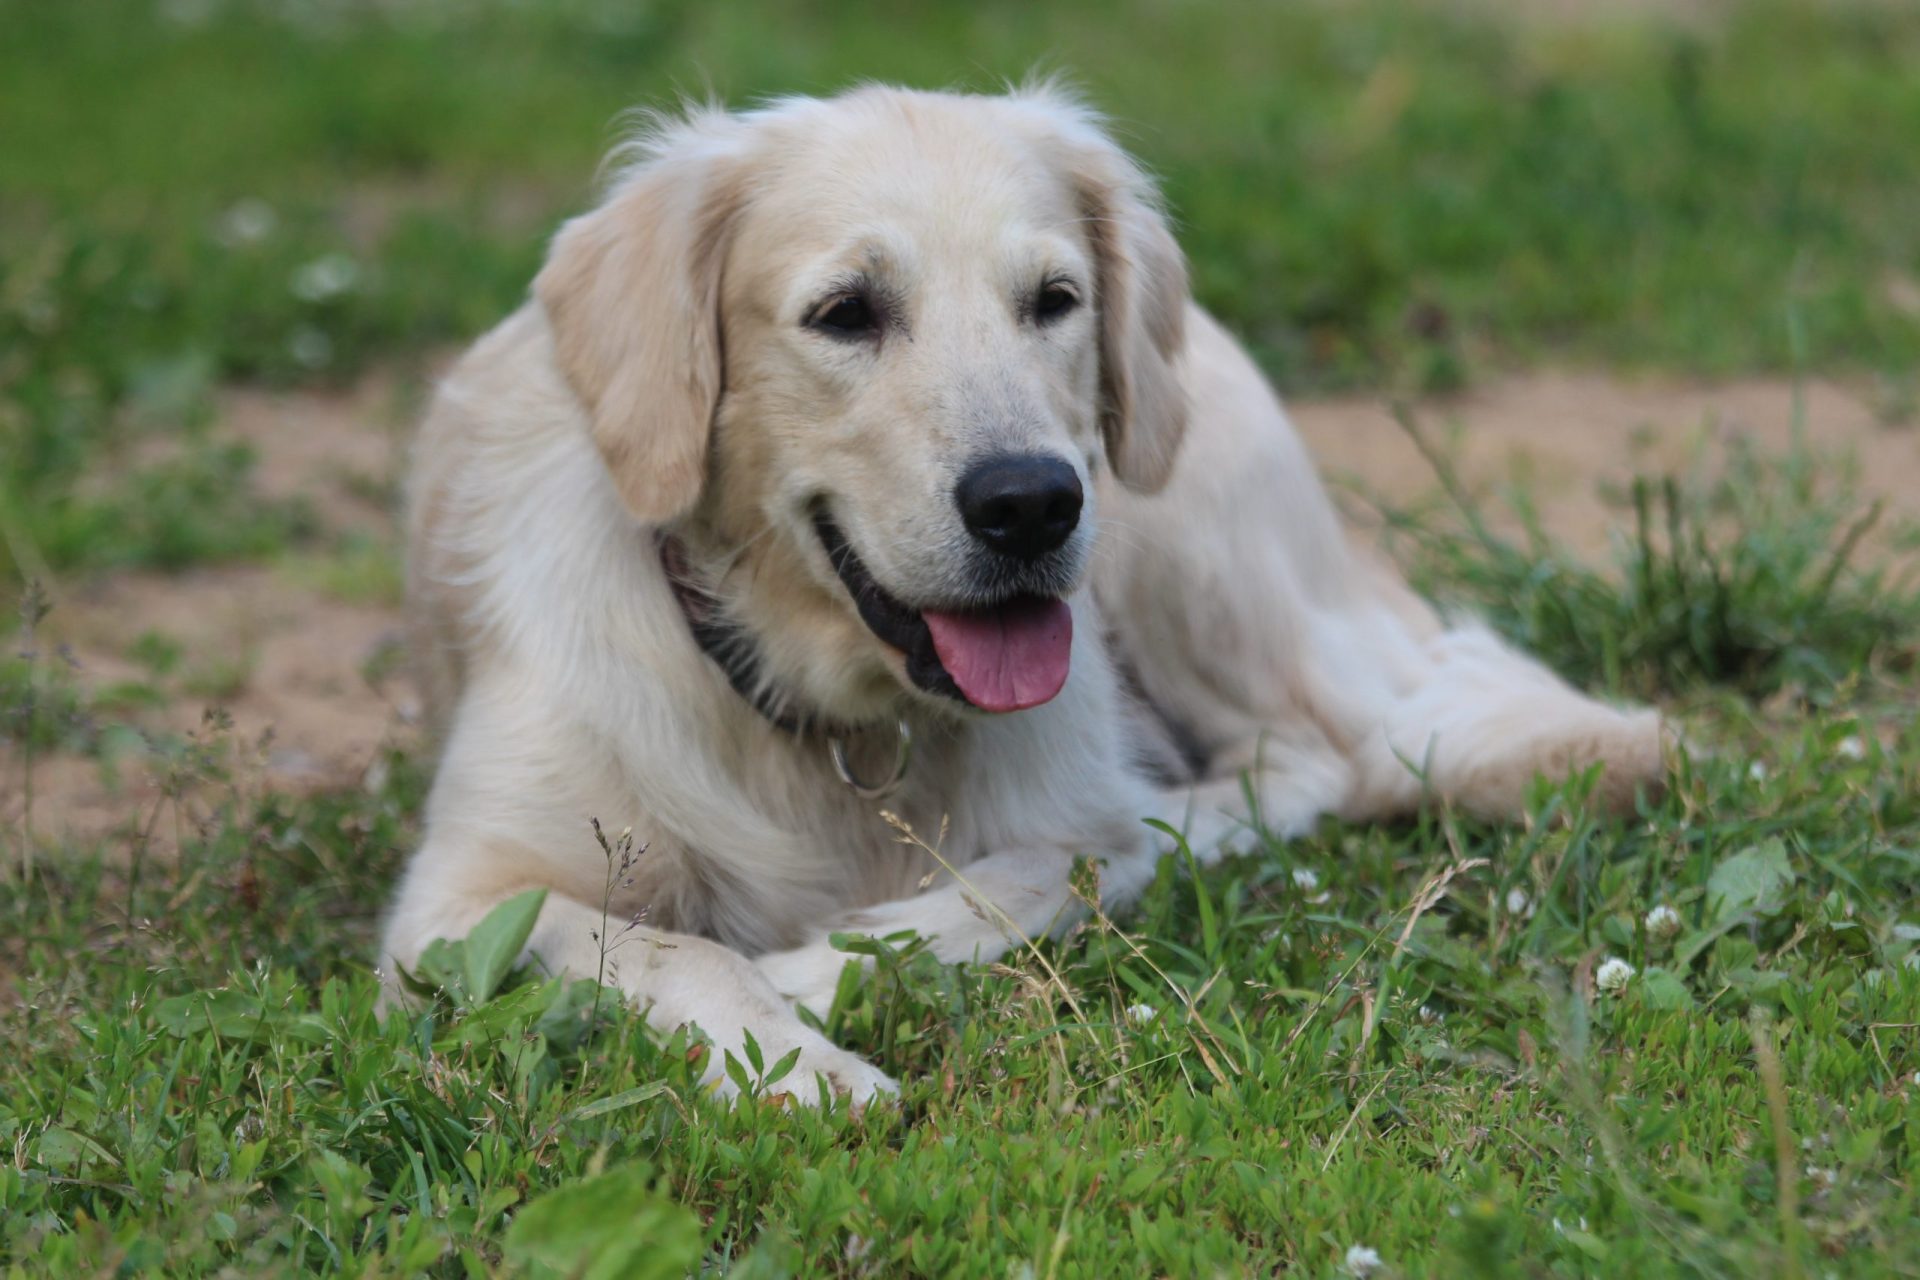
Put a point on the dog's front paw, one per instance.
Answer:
(846, 1074)
(808, 976)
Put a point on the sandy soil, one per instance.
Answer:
(311, 683)
(1575, 442)
(317, 672)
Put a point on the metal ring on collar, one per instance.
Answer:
(903, 752)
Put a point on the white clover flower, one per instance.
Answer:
(1518, 903)
(1139, 1014)
(1757, 771)
(1663, 922)
(247, 222)
(1430, 1016)
(1361, 1261)
(1613, 974)
(1307, 881)
(327, 276)
(1852, 747)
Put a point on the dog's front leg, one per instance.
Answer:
(680, 979)
(977, 912)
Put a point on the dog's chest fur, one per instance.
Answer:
(836, 849)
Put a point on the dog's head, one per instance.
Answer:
(870, 354)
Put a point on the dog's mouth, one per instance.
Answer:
(1004, 657)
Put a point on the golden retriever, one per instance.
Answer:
(869, 453)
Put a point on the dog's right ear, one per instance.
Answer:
(632, 291)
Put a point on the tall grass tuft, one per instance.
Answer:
(1754, 574)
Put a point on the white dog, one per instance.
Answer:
(869, 453)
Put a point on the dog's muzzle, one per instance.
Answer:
(1009, 654)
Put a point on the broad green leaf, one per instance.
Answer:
(439, 968)
(1660, 989)
(619, 1101)
(737, 1072)
(1756, 878)
(782, 1067)
(609, 1227)
(497, 941)
(234, 1015)
(70, 1150)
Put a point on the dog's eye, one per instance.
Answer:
(1054, 300)
(849, 315)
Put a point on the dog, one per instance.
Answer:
(864, 463)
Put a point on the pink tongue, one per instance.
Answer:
(1006, 659)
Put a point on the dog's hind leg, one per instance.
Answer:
(1277, 651)
(1271, 785)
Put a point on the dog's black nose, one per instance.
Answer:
(1021, 505)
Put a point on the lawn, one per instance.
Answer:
(1681, 1044)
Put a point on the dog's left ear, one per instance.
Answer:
(1140, 295)
(632, 291)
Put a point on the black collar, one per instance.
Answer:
(727, 643)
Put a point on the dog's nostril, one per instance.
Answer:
(1021, 505)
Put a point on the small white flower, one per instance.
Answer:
(247, 222)
(1852, 747)
(1361, 1261)
(1307, 881)
(1518, 903)
(1613, 974)
(310, 347)
(1139, 1014)
(1757, 771)
(1430, 1016)
(325, 277)
(1822, 1179)
(1663, 922)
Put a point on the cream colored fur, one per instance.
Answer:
(662, 377)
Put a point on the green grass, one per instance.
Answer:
(195, 1077)
(1306, 1050)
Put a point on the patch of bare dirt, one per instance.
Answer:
(344, 452)
(311, 683)
(1574, 442)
